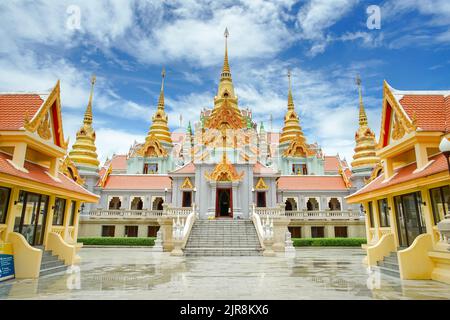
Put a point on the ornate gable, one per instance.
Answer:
(69, 169)
(261, 185)
(152, 148)
(47, 121)
(224, 172)
(187, 184)
(298, 148)
(225, 117)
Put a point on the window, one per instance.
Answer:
(158, 204)
(152, 168)
(261, 199)
(58, 213)
(291, 204)
(312, 204)
(334, 204)
(318, 232)
(131, 231)
(340, 232)
(4, 201)
(115, 203)
(383, 213)
(440, 202)
(137, 203)
(299, 169)
(187, 199)
(152, 231)
(296, 232)
(370, 213)
(73, 206)
(108, 231)
(145, 171)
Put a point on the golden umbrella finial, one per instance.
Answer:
(362, 112)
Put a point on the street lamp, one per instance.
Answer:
(444, 147)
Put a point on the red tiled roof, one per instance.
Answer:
(138, 182)
(259, 168)
(119, 162)
(331, 163)
(187, 169)
(39, 174)
(328, 183)
(432, 111)
(405, 174)
(14, 108)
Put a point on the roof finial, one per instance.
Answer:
(362, 112)
(88, 113)
(290, 98)
(226, 66)
(161, 94)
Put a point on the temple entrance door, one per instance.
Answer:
(409, 218)
(224, 203)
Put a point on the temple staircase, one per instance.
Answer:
(50, 264)
(223, 237)
(389, 265)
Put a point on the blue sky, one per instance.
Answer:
(126, 44)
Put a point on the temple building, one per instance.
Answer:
(40, 188)
(225, 166)
(407, 197)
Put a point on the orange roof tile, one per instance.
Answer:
(186, 169)
(138, 182)
(301, 183)
(119, 162)
(331, 163)
(430, 110)
(14, 108)
(405, 174)
(259, 168)
(39, 174)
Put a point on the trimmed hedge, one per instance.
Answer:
(110, 241)
(329, 242)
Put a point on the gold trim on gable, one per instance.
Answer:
(187, 184)
(261, 185)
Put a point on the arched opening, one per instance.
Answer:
(158, 203)
(291, 204)
(312, 204)
(137, 204)
(334, 204)
(115, 203)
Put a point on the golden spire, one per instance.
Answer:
(362, 112)
(226, 72)
(160, 128)
(292, 129)
(365, 150)
(226, 88)
(84, 151)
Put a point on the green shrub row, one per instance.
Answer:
(329, 242)
(109, 241)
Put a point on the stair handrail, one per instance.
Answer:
(258, 226)
(62, 249)
(27, 259)
(381, 249)
(182, 228)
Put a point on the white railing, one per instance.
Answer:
(126, 214)
(269, 212)
(323, 215)
(173, 211)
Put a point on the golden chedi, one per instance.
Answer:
(365, 150)
(83, 152)
(160, 128)
(292, 129)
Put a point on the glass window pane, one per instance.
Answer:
(383, 213)
(58, 214)
(372, 225)
(72, 213)
(4, 200)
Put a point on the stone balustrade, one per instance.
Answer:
(125, 214)
(323, 215)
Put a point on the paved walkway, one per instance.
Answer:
(314, 273)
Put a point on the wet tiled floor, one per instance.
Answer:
(314, 273)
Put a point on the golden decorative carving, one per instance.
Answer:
(398, 130)
(103, 179)
(261, 185)
(225, 117)
(187, 184)
(224, 171)
(152, 148)
(377, 170)
(69, 169)
(44, 130)
(298, 148)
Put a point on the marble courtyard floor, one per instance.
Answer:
(139, 273)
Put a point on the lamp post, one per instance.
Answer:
(444, 147)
